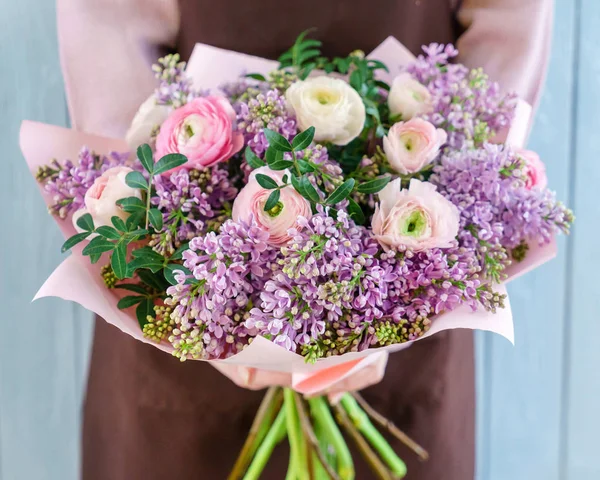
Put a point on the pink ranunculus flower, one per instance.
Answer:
(408, 98)
(101, 198)
(202, 130)
(410, 146)
(251, 200)
(535, 170)
(418, 218)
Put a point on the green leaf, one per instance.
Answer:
(118, 260)
(86, 223)
(129, 301)
(144, 310)
(156, 218)
(303, 139)
(307, 55)
(132, 204)
(98, 245)
(146, 258)
(281, 165)
(305, 166)
(377, 65)
(305, 188)
(74, 240)
(132, 287)
(265, 181)
(252, 159)
(356, 80)
(108, 232)
(356, 212)
(171, 268)
(136, 180)
(273, 156)
(140, 232)
(135, 220)
(152, 280)
(169, 162)
(144, 153)
(178, 254)
(341, 192)
(374, 186)
(277, 141)
(95, 257)
(256, 76)
(118, 223)
(272, 200)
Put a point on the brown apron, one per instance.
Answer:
(148, 416)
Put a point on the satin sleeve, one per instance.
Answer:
(510, 39)
(106, 49)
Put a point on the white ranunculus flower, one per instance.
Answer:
(149, 116)
(408, 97)
(330, 105)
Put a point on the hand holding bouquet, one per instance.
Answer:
(295, 224)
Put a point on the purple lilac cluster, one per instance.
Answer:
(498, 212)
(335, 291)
(466, 103)
(265, 110)
(175, 88)
(210, 306)
(192, 202)
(67, 183)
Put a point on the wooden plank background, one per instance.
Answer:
(538, 413)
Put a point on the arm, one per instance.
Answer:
(106, 49)
(510, 39)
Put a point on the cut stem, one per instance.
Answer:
(361, 420)
(312, 438)
(258, 431)
(391, 427)
(275, 435)
(378, 467)
(297, 444)
(322, 414)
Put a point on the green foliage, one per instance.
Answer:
(277, 141)
(272, 200)
(252, 159)
(374, 186)
(265, 181)
(303, 139)
(341, 193)
(303, 56)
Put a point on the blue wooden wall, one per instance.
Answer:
(538, 415)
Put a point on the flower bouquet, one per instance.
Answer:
(293, 222)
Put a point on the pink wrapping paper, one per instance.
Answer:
(262, 363)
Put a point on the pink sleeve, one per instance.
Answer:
(510, 39)
(106, 49)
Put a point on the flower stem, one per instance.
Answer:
(258, 431)
(321, 413)
(378, 467)
(322, 467)
(375, 438)
(389, 425)
(297, 444)
(275, 435)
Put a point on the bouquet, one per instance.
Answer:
(292, 222)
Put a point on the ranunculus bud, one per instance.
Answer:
(418, 218)
(410, 146)
(202, 130)
(251, 200)
(148, 117)
(101, 198)
(535, 170)
(408, 98)
(330, 105)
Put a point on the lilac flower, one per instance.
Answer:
(228, 270)
(175, 87)
(192, 202)
(266, 110)
(67, 183)
(498, 212)
(465, 103)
